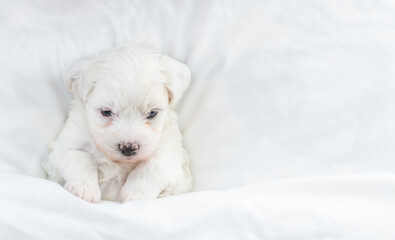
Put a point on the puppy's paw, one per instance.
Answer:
(134, 191)
(88, 191)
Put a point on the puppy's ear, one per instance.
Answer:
(178, 77)
(75, 80)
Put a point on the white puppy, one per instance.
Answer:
(121, 140)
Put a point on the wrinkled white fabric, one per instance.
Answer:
(344, 207)
(281, 90)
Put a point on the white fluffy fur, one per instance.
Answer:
(130, 82)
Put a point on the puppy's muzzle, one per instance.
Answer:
(129, 149)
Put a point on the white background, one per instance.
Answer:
(282, 92)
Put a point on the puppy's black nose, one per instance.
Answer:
(128, 149)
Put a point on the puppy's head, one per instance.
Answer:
(127, 94)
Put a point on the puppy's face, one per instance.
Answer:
(126, 120)
(127, 95)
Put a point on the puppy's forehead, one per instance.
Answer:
(128, 78)
(142, 90)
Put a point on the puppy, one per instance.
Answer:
(121, 140)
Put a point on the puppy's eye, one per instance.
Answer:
(152, 114)
(106, 113)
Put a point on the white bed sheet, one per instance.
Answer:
(346, 207)
(289, 119)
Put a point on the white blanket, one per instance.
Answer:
(289, 119)
(348, 207)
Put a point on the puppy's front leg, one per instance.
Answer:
(68, 163)
(146, 181)
(79, 173)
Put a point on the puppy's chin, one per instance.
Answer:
(128, 160)
(118, 158)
